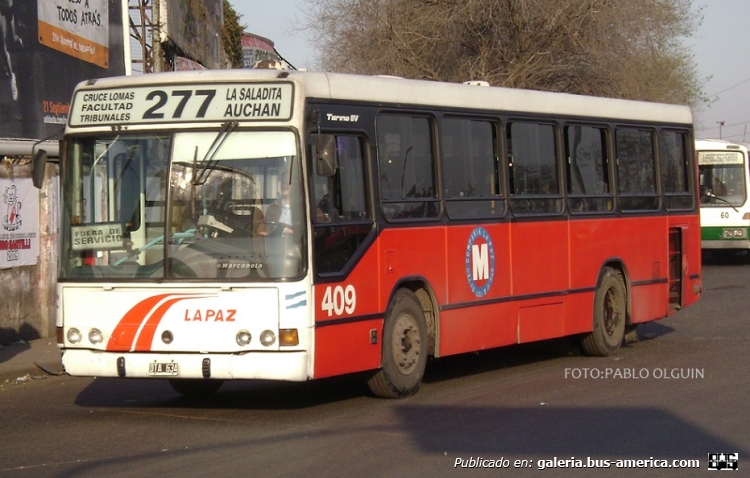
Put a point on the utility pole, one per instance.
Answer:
(145, 29)
(721, 123)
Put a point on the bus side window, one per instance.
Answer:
(636, 169)
(341, 219)
(406, 167)
(675, 164)
(588, 169)
(469, 155)
(534, 177)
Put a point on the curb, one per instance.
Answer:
(31, 372)
(23, 361)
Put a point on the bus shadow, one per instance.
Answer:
(725, 258)
(235, 394)
(464, 365)
(565, 432)
(277, 395)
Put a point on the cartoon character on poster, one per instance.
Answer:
(12, 220)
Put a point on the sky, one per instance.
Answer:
(721, 45)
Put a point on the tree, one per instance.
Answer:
(617, 48)
(231, 35)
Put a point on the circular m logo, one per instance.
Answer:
(480, 261)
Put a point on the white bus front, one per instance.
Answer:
(182, 256)
(725, 213)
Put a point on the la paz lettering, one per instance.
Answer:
(210, 315)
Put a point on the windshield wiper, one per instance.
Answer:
(208, 163)
(714, 196)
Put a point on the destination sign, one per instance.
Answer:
(719, 157)
(182, 103)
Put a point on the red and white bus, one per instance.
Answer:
(263, 224)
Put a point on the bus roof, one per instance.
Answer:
(718, 144)
(404, 92)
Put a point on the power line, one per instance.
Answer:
(731, 87)
(727, 125)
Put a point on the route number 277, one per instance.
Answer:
(161, 98)
(337, 300)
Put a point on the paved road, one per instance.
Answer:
(518, 403)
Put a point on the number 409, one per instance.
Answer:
(338, 299)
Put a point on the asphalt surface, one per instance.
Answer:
(34, 360)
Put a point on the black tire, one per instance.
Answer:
(405, 348)
(610, 313)
(195, 387)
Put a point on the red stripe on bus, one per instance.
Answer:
(124, 333)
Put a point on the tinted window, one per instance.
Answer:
(532, 161)
(341, 220)
(406, 167)
(674, 161)
(587, 167)
(636, 169)
(472, 180)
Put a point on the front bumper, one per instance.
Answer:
(291, 366)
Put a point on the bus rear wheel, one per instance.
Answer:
(405, 344)
(610, 310)
(195, 387)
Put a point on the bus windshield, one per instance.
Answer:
(722, 178)
(195, 205)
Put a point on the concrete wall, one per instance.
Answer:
(27, 293)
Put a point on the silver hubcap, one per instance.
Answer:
(406, 343)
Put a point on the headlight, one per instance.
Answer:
(267, 338)
(243, 338)
(95, 336)
(73, 335)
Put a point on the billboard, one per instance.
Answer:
(256, 48)
(195, 29)
(49, 46)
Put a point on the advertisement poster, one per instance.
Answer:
(77, 28)
(186, 64)
(19, 223)
(256, 48)
(49, 46)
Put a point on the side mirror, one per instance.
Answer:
(37, 168)
(326, 160)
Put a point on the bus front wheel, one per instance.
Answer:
(610, 310)
(405, 344)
